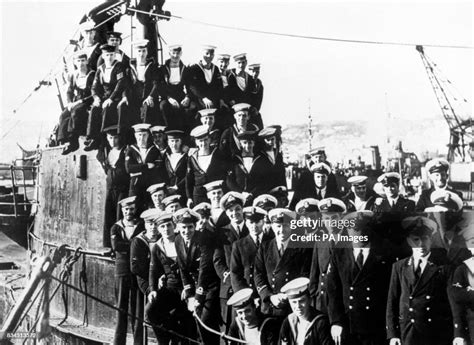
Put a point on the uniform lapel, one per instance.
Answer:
(427, 274)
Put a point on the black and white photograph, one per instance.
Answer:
(236, 172)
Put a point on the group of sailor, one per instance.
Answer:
(199, 217)
(234, 264)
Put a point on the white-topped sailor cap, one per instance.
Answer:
(240, 107)
(156, 188)
(200, 132)
(171, 200)
(207, 47)
(281, 215)
(296, 288)
(388, 178)
(157, 129)
(332, 205)
(267, 132)
(306, 206)
(207, 112)
(358, 180)
(127, 201)
(265, 201)
(164, 217)
(321, 168)
(218, 184)
(151, 214)
(203, 209)
(253, 66)
(254, 213)
(176, 46)
(230, 199)
(220, 57)
(141, 127)
(378, 189)
(239, 57)
(241, 298)
(321, 150)
(437, 165)
(186, 216)
(139, 44)
(447, 199)
(80, 54)
(88, 25)
(419, 225)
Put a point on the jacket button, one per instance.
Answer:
(428, 296)
(368, 298)
(427, 308)
(351, 288)
(322, 274)
(410, 309)
(367, 307)
(350, 297)
(322, 292)
(350, 307)
(412, 320)
(322, 283)
(368, 288)
(411, 297)
(429, 320)
(287, 273)
(251, 275)
(273, 279)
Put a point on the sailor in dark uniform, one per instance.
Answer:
(175, 104)
(305, 325)
(208, 119)
(242, 87)
(143, 91)
(394, 202)
(203, 81)
(277, 263)
(126, 288)
(200, 281)
(225, 237)
(229, 144)
(438, 170)
(244, 250)
(317, 187)
(158, 192)
(461, 290)
(73, 120)
(89, 44)
(115, 39)
(143, 162)
(172, 203)
(357, 282)
(165, 306)
(360, 197)
(250, 173)
(249, 324)
(176, 162)
(215, 192)
(140, 254)
(418, 311)
(268, 136)
(112, 159)
(107, 91)
(158, 134)
(254, 71)
(225, 117)
(204, 166)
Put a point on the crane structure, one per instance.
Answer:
(461, 128)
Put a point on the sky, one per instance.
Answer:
(338, 81)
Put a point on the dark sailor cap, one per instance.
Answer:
(175, 134)
(254, 213)
(114, 34)
(296, 288)
(419, 226)
(107, 48)
(185, 216)
(241, 298)
(247, 135)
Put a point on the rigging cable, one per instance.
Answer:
(281, 34)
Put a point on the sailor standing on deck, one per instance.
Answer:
(112, 159)
(143, 91)
(268, 136)
(143, 162)
(73, 120)
(438, 170)
(254, 71)
(249, 324)
(140, 254)
(176, 162)
(107, 91)
(305, 325)
(126, 289)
